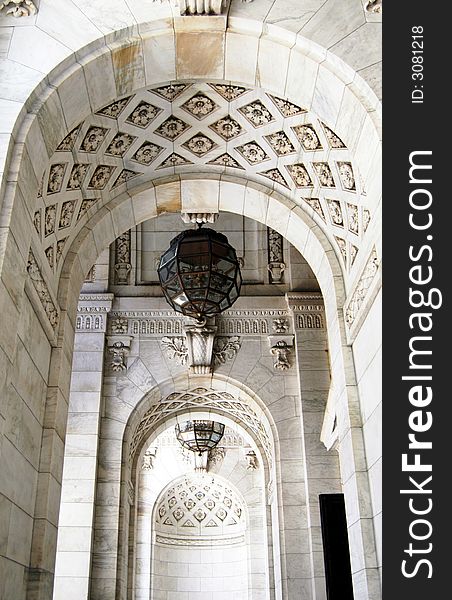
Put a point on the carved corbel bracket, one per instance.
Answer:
(119, 348)
(281, 347)
(200, 348)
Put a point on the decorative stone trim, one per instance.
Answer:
(367, 286)
(202, 541)
(87, 322)
(215, 456)
(130, 493)
(280, 325)
(176, 349)
(119, 348)
(42, 290)
(92, 313)
(374, 6)
(200, 348)
(308, 310)
(281, 347)
(202, 7)
(251, 461)
(148, 459)
(225, 349)
(19, 8)
(276, 264)
(199, 217)
(123, 264)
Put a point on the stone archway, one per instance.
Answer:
(44, 307)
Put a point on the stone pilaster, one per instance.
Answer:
(321, 467)
(75, 532)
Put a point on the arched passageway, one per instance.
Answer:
(46, 258)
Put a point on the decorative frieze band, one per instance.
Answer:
(231, 323)
(308, 310)
(92, 312)
(201, 541)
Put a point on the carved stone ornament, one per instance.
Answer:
(375, 6)
(119, 325)
(251, 460)
(276, 264)
(176, 349)
(215, 456)
(225, 349)
(130, 493)
(42, 290)
(122, 259)
(281, 351)
(280, 325)
(359, 295)
(119, 348)
(281, 347)
(200, 348)
(199, 217)
(201, 7)
(19, 8)
(148, 459)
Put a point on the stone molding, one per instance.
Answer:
(362, 295)
(92, 312)
(40, 287)
(204, 541)
(307, 309)
(231, 323)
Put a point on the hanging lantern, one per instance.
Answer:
(200, 273)
(199, 436)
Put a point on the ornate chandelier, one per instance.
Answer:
(200, 273)
(199, 436)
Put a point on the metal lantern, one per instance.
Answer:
(200, 273)
(199, 436)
